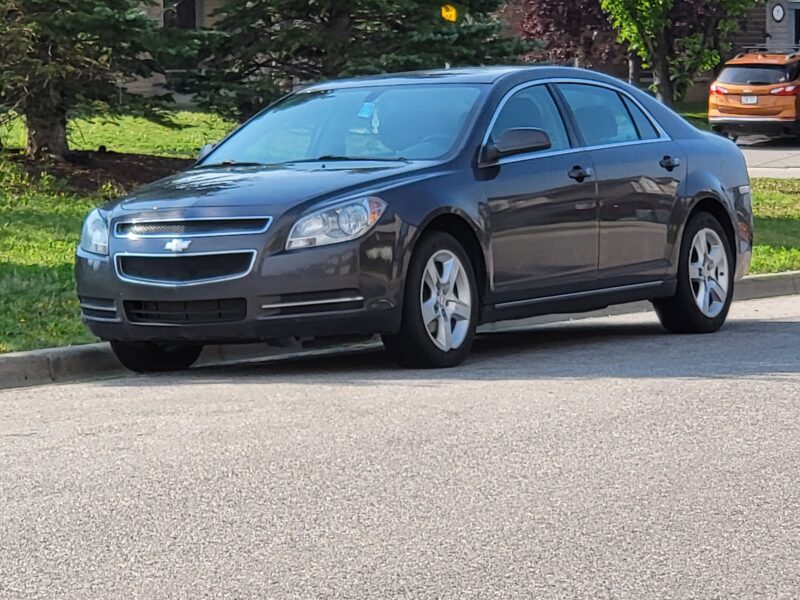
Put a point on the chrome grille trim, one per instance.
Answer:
(173, 284)
(267, 221)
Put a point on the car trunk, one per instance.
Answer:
(753, 90)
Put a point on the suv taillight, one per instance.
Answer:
(718, 90)
(787, 90)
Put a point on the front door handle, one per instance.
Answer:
(670, 163)
(579, 174)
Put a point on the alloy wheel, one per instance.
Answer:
(708, 272)
(446, 301)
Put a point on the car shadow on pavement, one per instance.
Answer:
(576, 350)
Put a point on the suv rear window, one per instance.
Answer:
(758, 74)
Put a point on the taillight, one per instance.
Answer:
(718, 90)
(787, 90)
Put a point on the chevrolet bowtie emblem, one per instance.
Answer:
(177, 245)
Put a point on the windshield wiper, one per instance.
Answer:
(336, 157)
(233, 163)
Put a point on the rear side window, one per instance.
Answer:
(600, 114)
(535, 108)
(644, 126)
(757, 74)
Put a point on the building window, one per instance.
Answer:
(180, 13)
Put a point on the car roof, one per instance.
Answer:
(463, 75)
(765, 58)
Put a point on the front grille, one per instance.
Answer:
(186, 269)
(194, 312)
(192, 227)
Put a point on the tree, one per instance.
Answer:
(62, 56)
(261, 48)
(677, 39)
(575, 31)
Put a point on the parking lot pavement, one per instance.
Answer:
(771, 158)
(594, 459)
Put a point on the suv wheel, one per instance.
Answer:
(150, 357)
(705, 280)
(440, 307)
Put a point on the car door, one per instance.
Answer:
(639, 172)
(542, 205)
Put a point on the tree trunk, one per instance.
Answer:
(665, 91)
(634, 70)
(46, 118)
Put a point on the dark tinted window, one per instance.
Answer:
(757, 74)
(600, 114)
(646, 129)
(533, 107)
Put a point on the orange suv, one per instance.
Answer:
(757, 92)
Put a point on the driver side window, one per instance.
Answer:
(535, 108)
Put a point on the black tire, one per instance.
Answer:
(412, 346)
(151, 357)
(680, 313)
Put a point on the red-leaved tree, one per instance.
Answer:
(573, 31)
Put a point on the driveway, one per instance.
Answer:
(771, 158)
(594, 459)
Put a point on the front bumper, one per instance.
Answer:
(344, 289)
(755, 125)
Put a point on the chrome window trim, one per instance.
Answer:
(135, 221)
(663, 135)
(575, 295)
(172, 284)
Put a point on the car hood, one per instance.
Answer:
(274, 187)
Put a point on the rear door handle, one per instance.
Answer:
(579, 174)
(670, 163)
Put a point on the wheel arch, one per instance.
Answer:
(713, 205)
(467, 233)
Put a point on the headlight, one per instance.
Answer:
(339, 223)
(94, 237)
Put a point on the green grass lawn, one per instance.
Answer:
(39, 229)
(695, 113)
(40, 222)
(134, 135)
(777, 225)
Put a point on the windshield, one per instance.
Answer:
(757, 75)
(400, 122)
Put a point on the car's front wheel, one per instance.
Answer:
(151, 357)
(705, 279)
(440, 308)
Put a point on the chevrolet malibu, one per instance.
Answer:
(419, 206)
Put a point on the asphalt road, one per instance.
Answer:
(597, 459)
(767, 157)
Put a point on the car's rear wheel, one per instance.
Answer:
(151, 357)
(440, 307)
(705, 279)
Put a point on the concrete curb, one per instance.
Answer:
(96, 361)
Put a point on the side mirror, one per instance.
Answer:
(205, 151)
(516, 141)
